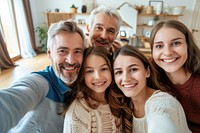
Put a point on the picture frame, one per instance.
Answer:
(122, 33)
(156, 4)
(81, 21)
(147, 33)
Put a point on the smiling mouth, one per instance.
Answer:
(130, 86)
(99, 83)
(169, 60)
(69, 68)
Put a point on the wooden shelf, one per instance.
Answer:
(163, 15)
(53, 17)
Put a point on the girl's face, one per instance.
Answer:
(97, 75)
(170, 49)
(130, 75)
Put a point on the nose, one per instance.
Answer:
(167, 50)
(97, 75)
(70, 58)
(103, 34)
(125, 76)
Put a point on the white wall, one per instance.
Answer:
(41, 6)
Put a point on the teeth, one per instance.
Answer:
(168, 61)
(128, 86)
(99, 84)
(69, 68)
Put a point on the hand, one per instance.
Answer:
(116, 44)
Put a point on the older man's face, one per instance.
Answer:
(103, 32)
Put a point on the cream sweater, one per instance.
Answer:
(82, 119)
(163, 114)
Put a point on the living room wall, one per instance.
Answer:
(39, 7)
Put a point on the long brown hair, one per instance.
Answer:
(122, 106)
(84, 91)
(192, 63)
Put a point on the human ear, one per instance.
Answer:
(148, 72)
(88, 28)
(49, 53)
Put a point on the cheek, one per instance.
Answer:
(80, 60)
(109, 77)
(117, 80)
(112, 38)
(87, 79)
(155, 54)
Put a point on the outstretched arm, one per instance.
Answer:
(23, 96)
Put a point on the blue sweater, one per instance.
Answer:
(32, 104)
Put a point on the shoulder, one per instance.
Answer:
(162, 101)
(77, 118)
(164, 110)
(78, 108)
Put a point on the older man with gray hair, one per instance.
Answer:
(103, 28)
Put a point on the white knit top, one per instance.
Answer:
(163, 114)
(82, 119)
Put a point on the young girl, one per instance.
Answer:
(177, 58)
(90, 111)
(140, 100)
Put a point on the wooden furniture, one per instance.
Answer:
(143, 26)
(53, 17)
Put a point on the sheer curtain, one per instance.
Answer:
(24, 37)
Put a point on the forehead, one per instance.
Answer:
(105, 20)
(92, 60)
(64, 39)
(168, 33)
(124, 61)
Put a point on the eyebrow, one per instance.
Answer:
(132, 65)
(100, 66)
(99, 24)
(66, 48)
(171, 40)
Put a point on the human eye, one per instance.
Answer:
(117, 72)
(97, 27)
(158, 46)
(104, 69)
(133, 69)
(88, 71)
(111, 31)
(62, 51)
(176, 43)
(78, 52)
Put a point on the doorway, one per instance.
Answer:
(196, 22)
(7, 21)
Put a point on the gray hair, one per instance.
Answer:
(108, 11)
(68, 25)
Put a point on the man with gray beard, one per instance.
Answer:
(34, 103)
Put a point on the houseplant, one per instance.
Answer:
(42, 34)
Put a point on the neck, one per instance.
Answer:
(179, 78)
(100, 97)
(139, 103)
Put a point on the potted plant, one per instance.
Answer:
(42, 34)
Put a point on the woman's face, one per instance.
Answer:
(97, 75)
(170, 49)
(130, 75)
